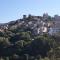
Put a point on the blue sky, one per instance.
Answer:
(14, 9)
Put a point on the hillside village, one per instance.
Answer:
(38, 25)
(31, 38)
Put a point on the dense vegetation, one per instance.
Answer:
(17, 45)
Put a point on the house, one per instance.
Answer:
(1, 30)
(55, 27)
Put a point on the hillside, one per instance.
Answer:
(38, 25)
(30, 38)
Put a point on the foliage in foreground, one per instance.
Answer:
(24, 46)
